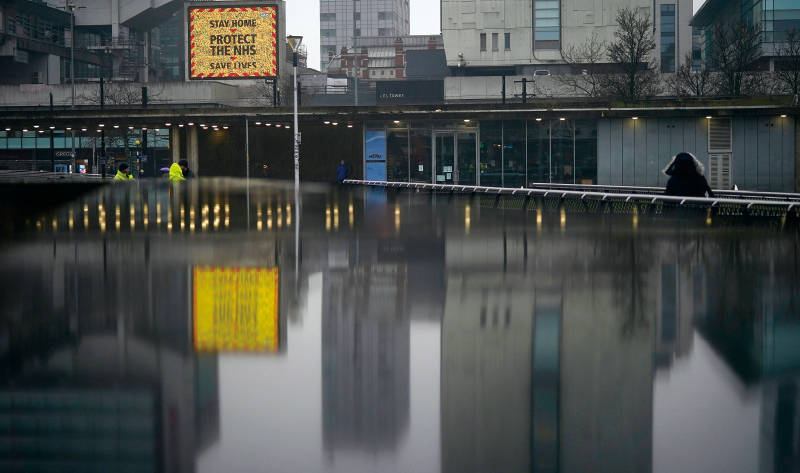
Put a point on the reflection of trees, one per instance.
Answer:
(632, 258)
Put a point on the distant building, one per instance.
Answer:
(342, 21)
(381, 58)
(519, 38)
(775, 18)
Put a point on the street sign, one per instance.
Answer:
(143, 158)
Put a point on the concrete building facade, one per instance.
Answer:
(520, 37)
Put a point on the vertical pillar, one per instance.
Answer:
(192, 153)
(175, 143)
(796, 120)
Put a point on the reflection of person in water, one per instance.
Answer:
(686, 177)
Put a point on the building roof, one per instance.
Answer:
(381, 62)
(705, 15)
(380, 51)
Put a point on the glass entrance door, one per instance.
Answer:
(454, 158)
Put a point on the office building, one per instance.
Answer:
(343, 20)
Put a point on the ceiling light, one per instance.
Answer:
(36, 126)
(562, 119)
(83, 129)
(25, 129)
(168, 124)
(466, 120)
(144, 128)
(116, 126)
(258, 123)
(268, 124)
(287, 126)
(8, 129)
(180, 126)
(191, 124)
(538, 119)
(635, 118)
(69, 128)
(41, 131)
(708, 116)
(334, 123)
(101, 125)
(328, 123)
(53, 128)
(349, 126)
(783, 116)
(158, 129)
(99, 131)
(130, 128)
(397, 121)
(202, 124)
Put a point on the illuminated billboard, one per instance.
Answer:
(235, 309)
(233, 42)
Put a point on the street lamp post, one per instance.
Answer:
(71, 7)
(294, 42)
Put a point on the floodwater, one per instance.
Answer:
(225, 327)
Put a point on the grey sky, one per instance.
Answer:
(302, 18)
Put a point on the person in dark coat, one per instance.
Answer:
(341, 172)
(686, 177)
(187, 173)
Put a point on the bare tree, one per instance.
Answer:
(635, 75)
(787, 64)
(688, 82)
(123, 95)
(733, 52)
(585, 63)
(261, 93)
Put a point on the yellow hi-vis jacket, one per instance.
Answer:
(175, 173)
(121, 176)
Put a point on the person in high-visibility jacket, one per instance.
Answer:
(176, 173)
(123, 173)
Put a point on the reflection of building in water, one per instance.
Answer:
(365, 351)
(547, 348)
(97, 362)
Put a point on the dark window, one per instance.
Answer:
(327, 33)
(483, 41)
(547, 24)
(495, 42)
(668, 38)
(327, 16)
(385, 31)
(357, 16)
(385, 15)
(508, 41)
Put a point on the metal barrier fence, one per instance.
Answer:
(46, 176)
(606, 201)
(729, 194)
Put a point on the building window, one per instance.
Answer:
(547, 24)
(508, 41)
(494, 42)
(385, 31)
(327, 17)
(385, 15)
(372, 73)
(391, 73)
(383, 72)
(668, 38)
(357, 16)
(358, 32)
(483, 41)
(697, 53)
(327, 33)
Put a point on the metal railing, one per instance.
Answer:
(730, 194)
(523, 198)
(30, 176)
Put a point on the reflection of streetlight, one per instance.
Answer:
(294, 42)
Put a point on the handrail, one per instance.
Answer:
(660, 190)
(705, 201)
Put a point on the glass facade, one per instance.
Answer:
(493, 153)
(668, 38)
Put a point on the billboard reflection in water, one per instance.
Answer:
(235, 309)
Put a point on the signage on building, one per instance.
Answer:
(375, 155)
(235, 309)
(237, 41)
(409, 91)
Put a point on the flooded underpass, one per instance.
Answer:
(233, 326)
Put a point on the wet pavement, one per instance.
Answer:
(226, 327)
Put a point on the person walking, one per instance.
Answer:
(341, 172)
(124, 173)
(176, 173)
(265, 172)
(686, 177)
(184, 165)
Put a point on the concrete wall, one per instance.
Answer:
(633, 152)
(176, 93)
(463, 21)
